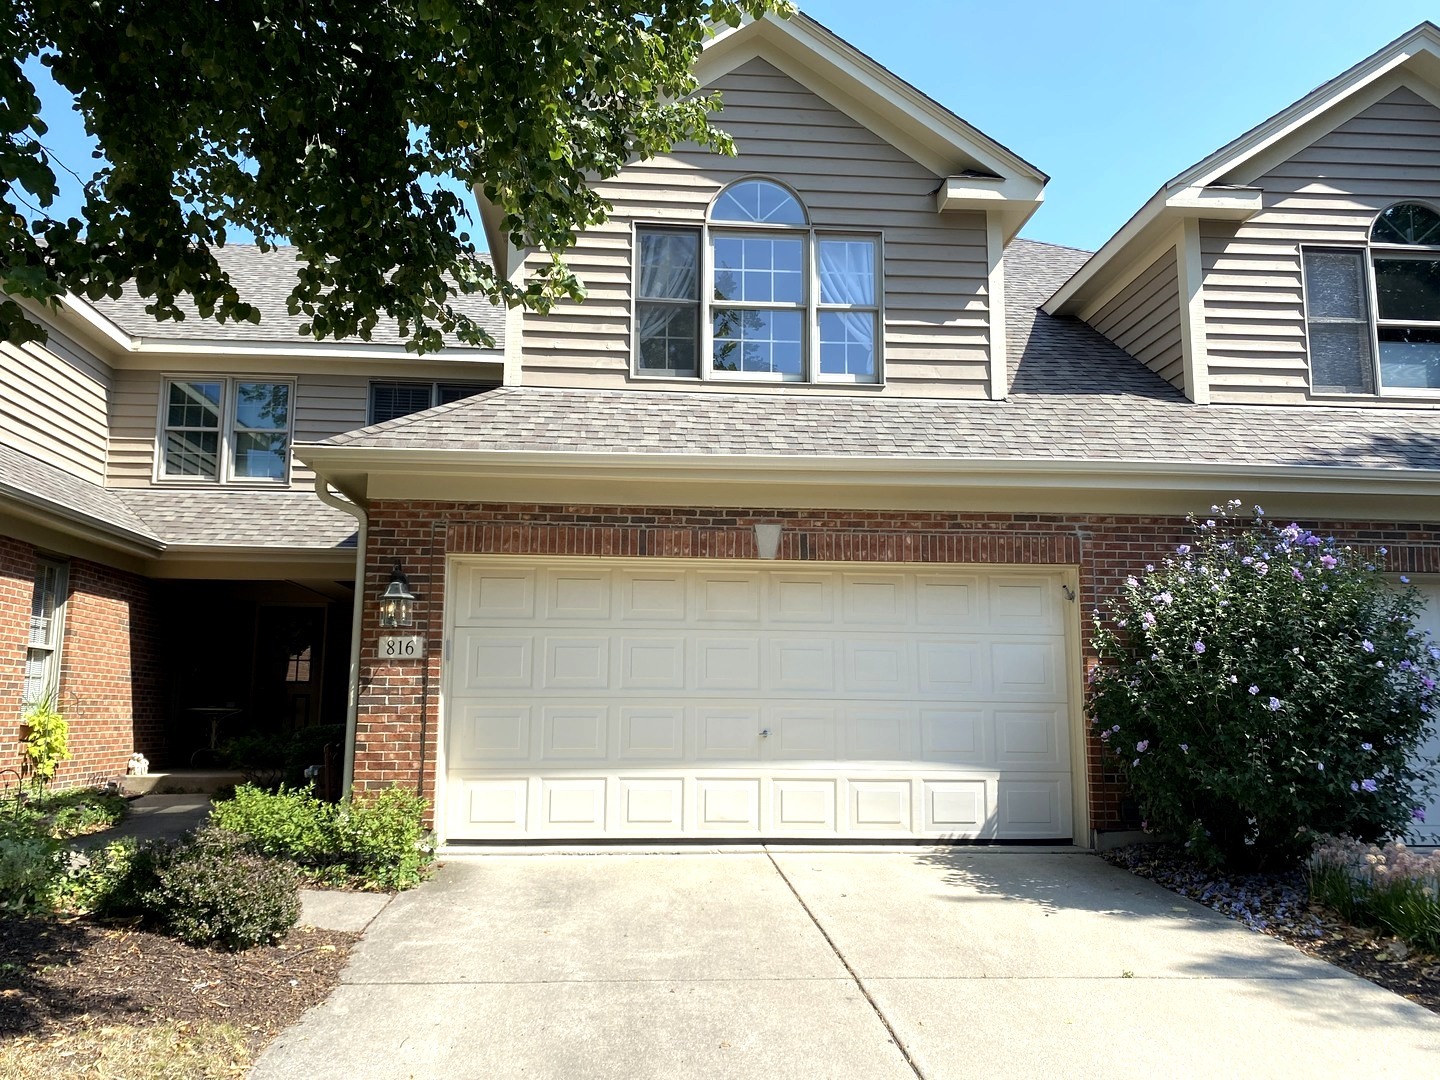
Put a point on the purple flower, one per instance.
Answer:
(1295, 573)
(1142, 746)
(1320, 765)
(1247, 560)
(1254, 689)
(1132, 581)
(1434, 654)
(1199, 647)
(1405, 665)
(1367, 645)
(1134, 763)
(1262, 568)
(1274, 704)
(1367, 747)
(1417, 814)
(1354, 786)
(1404, 580)
(1104, 736)
(1234, 679)
(1384, 551)
(1258, 512)
(1116, 729)
(1184, 747)
(1148, 618)
(1368, 785)
(1328, 562)
(1149, 567)
(1183, 549)
(1165, 598)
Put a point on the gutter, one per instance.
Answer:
(352, 700)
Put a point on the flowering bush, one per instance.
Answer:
(1261, 682)
(1390, 887)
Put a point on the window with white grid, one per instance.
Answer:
(42, 655)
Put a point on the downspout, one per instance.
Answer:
(352, 705)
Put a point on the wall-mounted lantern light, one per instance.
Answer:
(397, 601)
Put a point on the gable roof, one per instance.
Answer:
(1217, 185)
(1078, 405)
(264, 279)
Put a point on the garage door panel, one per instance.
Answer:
(878, 666)
(801, 599)
(487, 594)
(480, 735)
(875, 600)
(800, 663)
(576, 662)
(652, 596)
(587, 700)
(728, 732)
(652, 663)
(651, 733)
(729, 663)
(496, 663)
(955, 603)
(580, 595)
(574, 732)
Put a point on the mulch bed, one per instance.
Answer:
(1278, 905)
(56, 975)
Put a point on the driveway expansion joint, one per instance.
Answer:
(859, 985)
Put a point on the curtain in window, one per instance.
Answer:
(847, 276)
(667, 315)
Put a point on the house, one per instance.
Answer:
(793, 527)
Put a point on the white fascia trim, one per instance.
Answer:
(853, 66)
(284, 350)
(339, 556)
(107, 329)
(884, 471)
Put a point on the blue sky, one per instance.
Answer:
(1110, 97)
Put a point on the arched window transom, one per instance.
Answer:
(773, 298)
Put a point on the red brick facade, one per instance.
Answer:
(397, 735)
(110, 677)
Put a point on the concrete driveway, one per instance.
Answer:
(830, 964)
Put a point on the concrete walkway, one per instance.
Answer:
(831, 964)
(153, 817)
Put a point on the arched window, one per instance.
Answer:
(775, 298)
(1352, 340)
(1405, 255)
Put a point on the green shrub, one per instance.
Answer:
(109, 881)
(383, 839)
(78, 811)
(213, 889)
(376, 842)
(1261, 683)
(46, 738)
(27, 865)
(1390, 887)
(290, 823)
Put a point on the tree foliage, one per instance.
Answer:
(1264, 684)
(330, 124)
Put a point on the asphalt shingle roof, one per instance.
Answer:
(224, 517)
(264, 279)
(1074, 395)
(68, 495)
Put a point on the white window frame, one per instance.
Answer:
(224, 473)
(51, 646)
(1370, 249)
(480, 385)
(811, 307)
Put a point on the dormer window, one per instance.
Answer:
(757, 293)
(1376, 310)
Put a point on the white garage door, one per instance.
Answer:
(1429, 831)
(644, 699)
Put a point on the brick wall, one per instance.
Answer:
(399, 714)
(110, 675)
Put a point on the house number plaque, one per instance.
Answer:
(402, 647)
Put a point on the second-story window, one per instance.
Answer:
(1372, 315)
(225, 429)
(757, 294)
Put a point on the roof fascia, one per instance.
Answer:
(62, 519)
(975, 473)
(870, 93)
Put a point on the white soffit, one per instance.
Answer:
(1216, 187)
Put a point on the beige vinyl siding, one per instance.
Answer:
(1144, 319)
(936, 333)
(325, 405)
(1328, 193)
(55, 401)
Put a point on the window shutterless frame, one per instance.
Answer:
(47, 632)
(1381, 323)
(811, 307)
(233, 435)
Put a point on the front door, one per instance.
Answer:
(289, 641)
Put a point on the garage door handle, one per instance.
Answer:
(764, 733)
